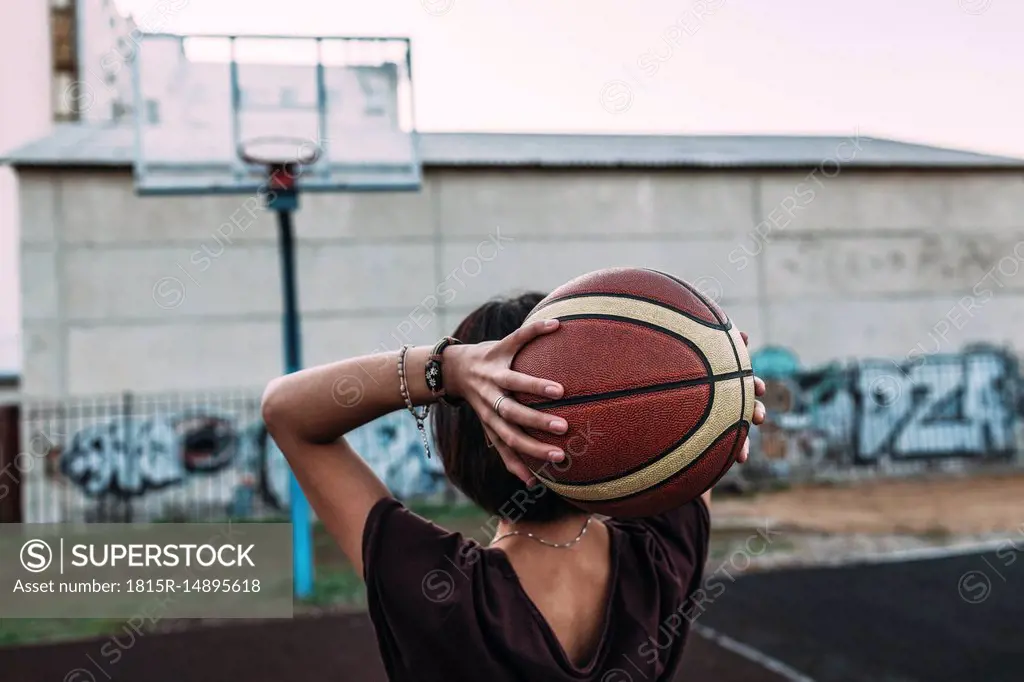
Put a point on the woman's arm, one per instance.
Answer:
(321, 404)
(308, 413)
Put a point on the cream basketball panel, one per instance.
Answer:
(725, 410)
(713, 343)
(741, 348)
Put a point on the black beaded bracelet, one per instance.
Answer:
(434, 374)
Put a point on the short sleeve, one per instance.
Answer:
(678, 539)
(418, 580)
(685, 529)
(407, 559)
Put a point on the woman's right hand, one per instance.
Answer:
(480, 373)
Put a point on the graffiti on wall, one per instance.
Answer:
(964, 405)
(860, 416)
(207, 456)
(129, 458)
(391, 445)
(960, 405)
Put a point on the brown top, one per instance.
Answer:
(446, 608)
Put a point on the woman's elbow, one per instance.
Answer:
(272, 405)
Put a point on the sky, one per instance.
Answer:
(942, 72)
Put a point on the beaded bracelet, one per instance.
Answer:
(403, 386)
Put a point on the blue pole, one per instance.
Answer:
(302, 536)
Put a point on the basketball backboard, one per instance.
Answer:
(202, 103)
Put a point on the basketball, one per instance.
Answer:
(659, 391)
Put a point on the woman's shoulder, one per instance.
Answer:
(679, 536)
(420, 575)
(397, 538)
(400, 544)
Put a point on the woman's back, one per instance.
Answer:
(569, 585)
(446, 608)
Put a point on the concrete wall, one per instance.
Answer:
(157, 294)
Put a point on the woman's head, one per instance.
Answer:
(474, 468)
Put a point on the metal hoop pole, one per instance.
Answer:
(302, 536)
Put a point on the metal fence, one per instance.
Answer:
(196, 457)
(207, 456)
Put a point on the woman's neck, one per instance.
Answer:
(563, 530)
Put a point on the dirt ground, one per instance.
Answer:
(946, 506)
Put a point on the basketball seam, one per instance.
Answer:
(661, 469)
(641, 390)
(689, 343)
(743, 384)
(696, 293)
(647, 315)
(646, 325)
(654, 458)
(731, 431)
(728, 325)
(660, 304)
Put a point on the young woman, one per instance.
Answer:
(557, 594)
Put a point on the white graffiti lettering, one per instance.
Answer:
(127, 458)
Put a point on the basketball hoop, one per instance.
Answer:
(258, 119)
(270, 103)
(282, 157)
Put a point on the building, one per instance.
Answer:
(61, 82)
(832, 247)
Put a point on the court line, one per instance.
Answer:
(782, 563)
(751, 654)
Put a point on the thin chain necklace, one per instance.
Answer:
(556, 545)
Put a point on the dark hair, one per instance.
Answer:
(474, 468)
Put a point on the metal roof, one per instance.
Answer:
(696, 151)
(94, 145)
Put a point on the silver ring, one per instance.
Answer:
(497, 404)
